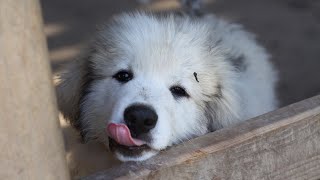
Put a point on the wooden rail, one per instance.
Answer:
(30, 137)
(284, 144)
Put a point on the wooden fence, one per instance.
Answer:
(30, 136)
(284, 144)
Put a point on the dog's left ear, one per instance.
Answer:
(69, 85)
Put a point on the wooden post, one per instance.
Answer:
(284, 144)
(30, 138)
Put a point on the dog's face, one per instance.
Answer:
(148, 83)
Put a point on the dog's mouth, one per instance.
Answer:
(130, 151)
(121, 141)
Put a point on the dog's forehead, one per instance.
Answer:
(145, 42)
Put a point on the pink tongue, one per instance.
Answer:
(121, 134)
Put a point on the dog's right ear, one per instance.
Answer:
(70, 84)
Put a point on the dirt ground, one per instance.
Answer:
(289, 29)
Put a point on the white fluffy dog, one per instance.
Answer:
(154, 80)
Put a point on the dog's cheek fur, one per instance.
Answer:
(104, 103)
(95, 107)
(187, 121)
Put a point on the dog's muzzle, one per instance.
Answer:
(131, 139)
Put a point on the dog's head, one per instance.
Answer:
(149, 82)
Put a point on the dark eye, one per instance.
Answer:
(123, 76)
(178, 91)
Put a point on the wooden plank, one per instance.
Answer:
(30, 137)
(284, 144)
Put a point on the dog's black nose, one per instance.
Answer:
(140, 119)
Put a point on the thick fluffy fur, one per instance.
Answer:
(234, 80)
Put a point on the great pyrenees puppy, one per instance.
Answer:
(153, 80)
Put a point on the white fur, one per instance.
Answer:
(166, 51)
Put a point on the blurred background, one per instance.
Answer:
(289, 29)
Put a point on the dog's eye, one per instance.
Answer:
(178, 91)
(123, 76)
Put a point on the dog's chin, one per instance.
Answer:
(131, 153)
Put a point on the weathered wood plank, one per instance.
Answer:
(30, 137)
(284, 144)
